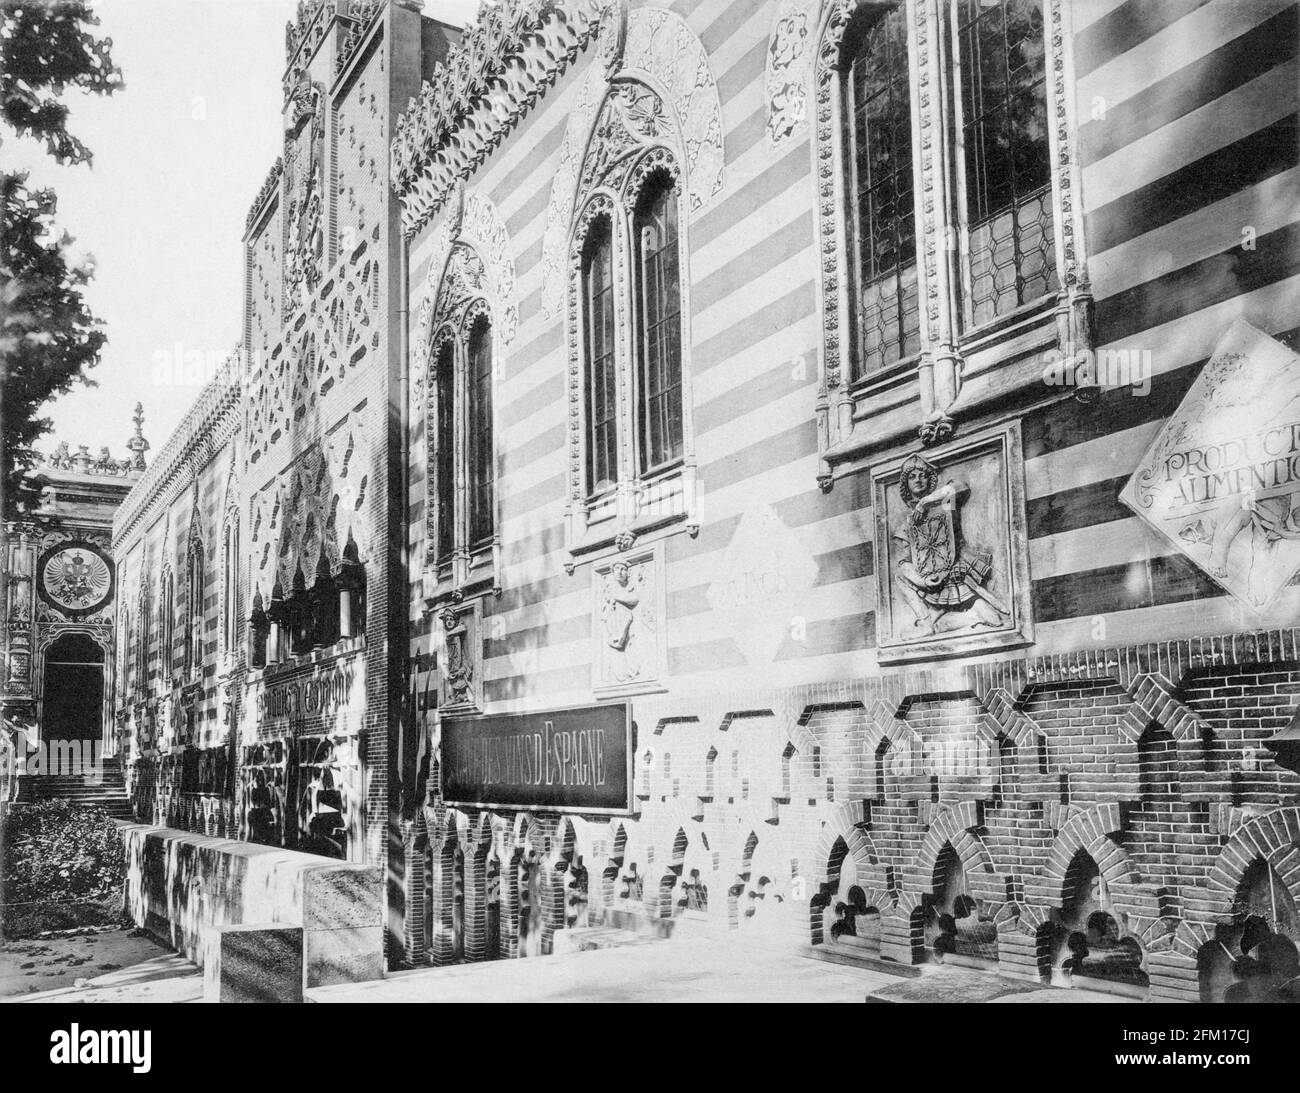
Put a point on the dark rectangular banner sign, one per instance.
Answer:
(576, 760)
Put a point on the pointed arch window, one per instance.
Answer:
(166, 626)
(601, 385)
(463, 544)
(445, 442)
(479, 451)
(632, 465)
(194, 605)
(230, 586)
(659, 325)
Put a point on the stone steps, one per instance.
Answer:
(109, 794)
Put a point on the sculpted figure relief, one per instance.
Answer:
(460, 673)
(627, 623)
(942, 578)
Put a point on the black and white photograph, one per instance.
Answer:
(652, 501)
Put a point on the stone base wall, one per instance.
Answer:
(182, 887)
(1123, 802)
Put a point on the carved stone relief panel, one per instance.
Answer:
(461, 661)
(952, 571)
(629, 653)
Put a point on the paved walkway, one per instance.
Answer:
(116, 966)
(682, 970)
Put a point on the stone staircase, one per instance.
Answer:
(110, 794)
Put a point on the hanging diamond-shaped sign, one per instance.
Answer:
(1221, 480)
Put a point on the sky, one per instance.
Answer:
(179, 155)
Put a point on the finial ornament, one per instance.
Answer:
(137, 445)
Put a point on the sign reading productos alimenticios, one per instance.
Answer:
(1221, 480)
(576, 760)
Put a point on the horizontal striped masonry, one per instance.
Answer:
(753, 369)
(1191, 156)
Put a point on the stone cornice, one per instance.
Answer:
(207, 425)
(500, 69)
(269, 186)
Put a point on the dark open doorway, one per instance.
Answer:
(73, 689)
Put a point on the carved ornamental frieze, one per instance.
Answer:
(506, 60)
(952, 571)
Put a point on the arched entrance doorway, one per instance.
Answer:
(72, 689)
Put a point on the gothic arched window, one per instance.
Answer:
(1006, 176)
(601, 386)
(461, 435)
(445, 433)
(658, 325)
(194, 605)
(166, 624)
(632, 459)
(230, 585)
(479, 457)
(878, 120)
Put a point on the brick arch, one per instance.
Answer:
(847, 823)
(1089, 831)
(953, 825)
(1274, 838)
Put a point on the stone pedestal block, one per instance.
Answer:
(342, 921)
(253, 964)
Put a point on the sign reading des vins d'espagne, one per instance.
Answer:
(575, 760)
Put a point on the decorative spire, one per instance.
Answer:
(137, 445)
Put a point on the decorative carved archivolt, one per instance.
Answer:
(665, 58)
(633, 138)
(473, 222)
(467, 291)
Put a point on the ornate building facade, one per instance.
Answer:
(260, 555)
(818, 341)
(816, 472)
(61, 599)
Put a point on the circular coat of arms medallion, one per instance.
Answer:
(75, 578)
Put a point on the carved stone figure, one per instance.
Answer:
(627, 623)
(460, 672)
(939, 576)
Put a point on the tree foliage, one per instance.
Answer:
(48, 338)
